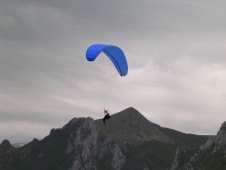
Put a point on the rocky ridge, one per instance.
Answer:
(210, 153)
(127, 141)
(78, 145)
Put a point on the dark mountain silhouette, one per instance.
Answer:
(127, 141)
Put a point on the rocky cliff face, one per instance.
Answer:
(211, 155)
(76, 146)
(89, 148)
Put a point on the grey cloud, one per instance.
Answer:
(175, 52)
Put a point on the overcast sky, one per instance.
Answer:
(176, 53)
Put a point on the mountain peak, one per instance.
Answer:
(223, 126)
(5, 143)
(130, 126)
(131, 114)
(6, 149)
(131, 109)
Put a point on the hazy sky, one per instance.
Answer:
(176, 52)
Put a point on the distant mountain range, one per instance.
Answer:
(128, 141)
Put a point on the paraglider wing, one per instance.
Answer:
(115, 54)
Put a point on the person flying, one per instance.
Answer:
(106, 117)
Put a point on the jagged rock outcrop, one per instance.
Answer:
(90, 148)
(182, 155)
(211, 155)
(76, 146)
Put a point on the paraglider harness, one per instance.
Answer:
(107, 116)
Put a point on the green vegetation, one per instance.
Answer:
(144, 143)
(187, 140)
(129, 126)
(153, 154)
(210, 161)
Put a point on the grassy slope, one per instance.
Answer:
(187, 140)
(210, 161)
(154, 154)
(146, 143)
(129, 126)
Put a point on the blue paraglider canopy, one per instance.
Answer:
(115, 54)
